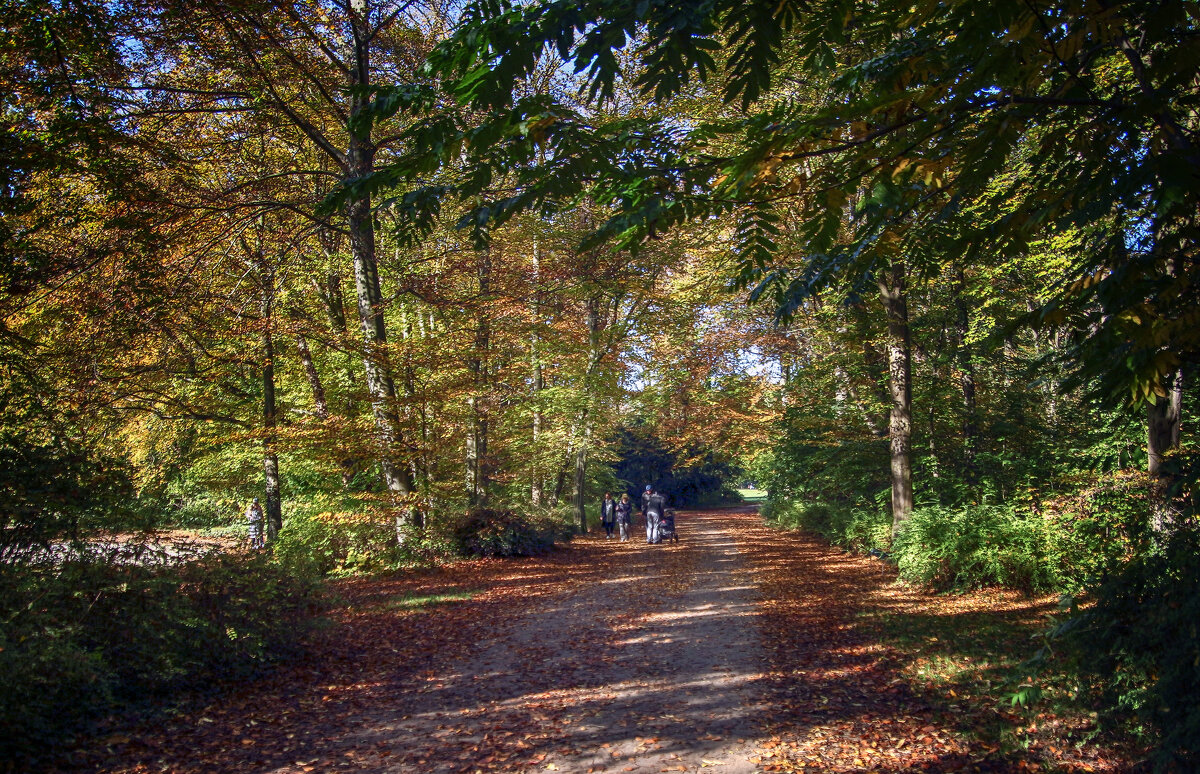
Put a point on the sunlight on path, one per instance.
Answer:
(651, 668)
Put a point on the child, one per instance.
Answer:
(254, 516)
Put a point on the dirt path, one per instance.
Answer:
(736, 650)
(648, 668)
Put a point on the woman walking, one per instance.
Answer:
(608, 515)
(624, 516)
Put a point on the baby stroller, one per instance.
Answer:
(666, 530)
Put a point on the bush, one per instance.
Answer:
(350, 537)
(487, 532)
(857, 529)
(1136, 651)
(1099, 528)
(86, 637)
(973, 547)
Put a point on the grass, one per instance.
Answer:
(753, 495)
(418, 602)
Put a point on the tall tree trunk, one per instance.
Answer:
(538, 381)
(273, 505)
(360, 162)
(333, 299)
(581, 479)
(594, 323)
(966, 380)
(851, 391)
(329, 290)
(560, 479)
(330, 293)
(535, 472)
(581, 456)
(477, 429)
(1163, 418)
(895, 302)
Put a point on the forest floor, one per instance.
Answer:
(739, 649)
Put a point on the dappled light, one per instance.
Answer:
(578, 385)
(740, 647)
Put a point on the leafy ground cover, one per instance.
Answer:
(871, 674)
(740, 649)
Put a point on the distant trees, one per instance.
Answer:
(936, 137)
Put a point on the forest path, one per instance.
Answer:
(647, 666)
(738, 649)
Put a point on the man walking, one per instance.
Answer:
(656, 505)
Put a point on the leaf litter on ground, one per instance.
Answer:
(462, 655)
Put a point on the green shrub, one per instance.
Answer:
(858, 529)
(1098, 529)
(338, 541)
(487, 532)
(50, 684)
(1136, 650)
(85, 637)
(973, 547)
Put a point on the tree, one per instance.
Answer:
(310, 68)
(956, 133)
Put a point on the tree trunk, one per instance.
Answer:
(895, 302)
(320, 407)
(360, 161)
(273, 505)
(560, 479)
(966, 381)
(594, 323)
(581, 482)
(477, 430)
(538, 382)
(851, 391)
(535, 473)
(330, 293)
(1163, 418)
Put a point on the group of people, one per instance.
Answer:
(618, 514)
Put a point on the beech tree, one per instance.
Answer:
(927, 114)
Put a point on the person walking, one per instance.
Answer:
(645, 498)
(254, 519)
(624, 515)
(656, 505)
(608, 515)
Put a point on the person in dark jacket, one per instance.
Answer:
(624, 515)
(656, 505)
(608, 515)
(645, 499)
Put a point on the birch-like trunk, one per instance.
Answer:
(892, 288)
(538, 382)
(594, 323)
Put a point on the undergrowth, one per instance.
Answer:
(88, 637)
